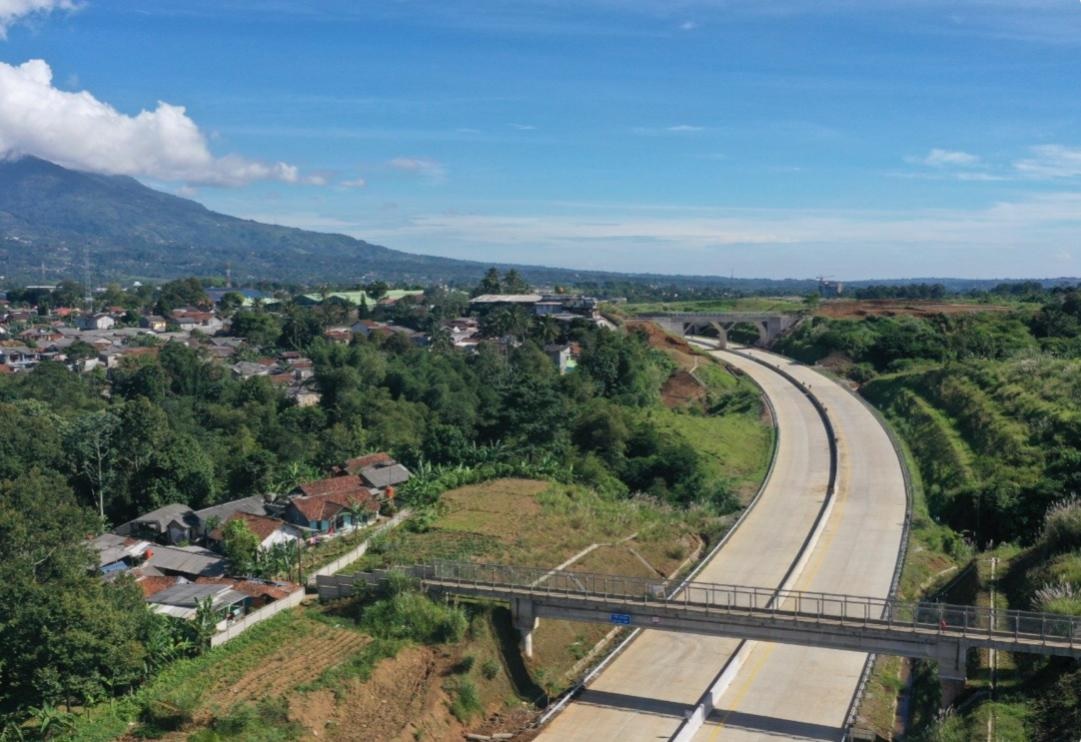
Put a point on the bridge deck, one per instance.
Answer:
(788, 616)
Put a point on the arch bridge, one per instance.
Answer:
(768, 325)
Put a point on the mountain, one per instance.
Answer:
(52, 218)
(49, 213)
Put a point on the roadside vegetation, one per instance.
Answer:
(989, 407)
(619, 450)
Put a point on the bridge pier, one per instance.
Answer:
(524, 615)
(952, 671)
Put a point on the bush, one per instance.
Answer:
(466, 703)
(465, 664)
(489, 669)
(1062, 527)
(412, 615)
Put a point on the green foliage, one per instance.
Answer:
(241, 546)
(466, 704)
(1058, 709)
(489, 669)
(409, 614)
(67, 635)
(1062, 527)
(266, 721)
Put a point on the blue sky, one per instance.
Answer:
(850, 138)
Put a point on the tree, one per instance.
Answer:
(377, 290)
(90, 446)
(231, 301)
(490, 284)
(241, 546)
(513, 283)
(256, 326)
(180, 293)
(68, 636)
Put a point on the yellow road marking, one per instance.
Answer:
(761, 653)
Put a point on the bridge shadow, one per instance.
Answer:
(773, 726)
(654, 706)
(767, 725)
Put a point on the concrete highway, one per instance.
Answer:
(804, 692)
(778, 691)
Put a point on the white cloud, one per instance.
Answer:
(353, 183)
(426, 168)
(1051, 161)
(688, 26)
(77, 130)
(684, 129)
(523, 127)
(945, 158)
(12, 11)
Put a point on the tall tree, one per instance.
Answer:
(67, 636)
(90, 443)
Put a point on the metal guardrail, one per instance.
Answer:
(1021, 628)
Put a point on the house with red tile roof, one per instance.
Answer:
(325, 509)
(269, 531)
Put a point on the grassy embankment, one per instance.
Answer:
(986, 447)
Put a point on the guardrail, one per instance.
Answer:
(1028, 630)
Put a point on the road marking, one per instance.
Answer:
(761, 653)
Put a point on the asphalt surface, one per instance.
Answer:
(780, 691)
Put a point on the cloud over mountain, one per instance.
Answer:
(77, 130)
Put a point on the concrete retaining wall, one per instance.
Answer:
(346, 559)
(237, 628)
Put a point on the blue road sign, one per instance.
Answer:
(621, 618)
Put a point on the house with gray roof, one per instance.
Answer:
(186, 561)
(170, 524)
(382, 476)
(182, 600)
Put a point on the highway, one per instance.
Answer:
(771, 691)
(804, 692)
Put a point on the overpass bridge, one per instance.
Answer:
(935, 631)
(768, 325)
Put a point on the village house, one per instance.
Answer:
(118, 553)
(377, 471)
(182, 600)
(330, 505)
(154, 323)
(270, 531)
(196, 319)
(170, 524)
(99, 321)
(186, 561)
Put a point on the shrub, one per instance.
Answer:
(465, 664)
(466, 703)
(1060, 597)
(1062, 527)
(412, 615)
(489, 669)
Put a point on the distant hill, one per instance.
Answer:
(48, 214)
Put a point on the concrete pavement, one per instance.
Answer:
(645, 692)
(803, 692)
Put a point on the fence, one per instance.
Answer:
(1022, 627)
(348, 558)
(236, 628)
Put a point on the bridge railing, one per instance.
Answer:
(934, 618)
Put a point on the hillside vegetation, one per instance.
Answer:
(990, 407)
